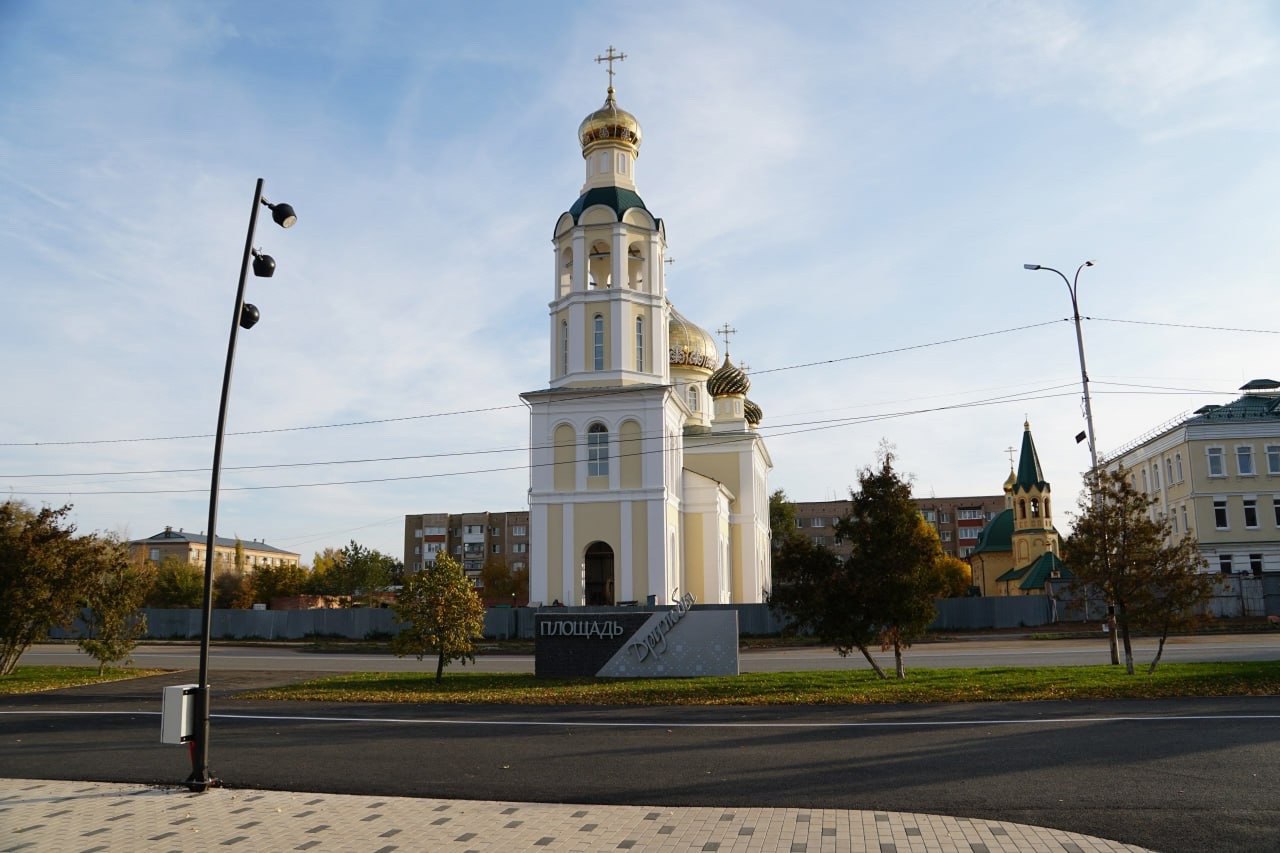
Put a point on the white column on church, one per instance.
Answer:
(539, 559)
(618, 256)
(577, 326)
(579, 283)
(569, 559)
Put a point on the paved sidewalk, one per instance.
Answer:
(90, 817)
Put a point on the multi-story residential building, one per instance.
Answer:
(471, 538)
(191, 548)
(1215, 475)
(957, 520)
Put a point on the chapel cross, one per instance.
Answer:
(726, 331)
(1010, 451)
(610, 58)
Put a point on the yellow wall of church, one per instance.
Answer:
(695, 568)
(629, 455)
(564, 458)
(639, 551)
(596, 523)
(723, 468)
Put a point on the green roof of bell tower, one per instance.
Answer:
(1029, 473)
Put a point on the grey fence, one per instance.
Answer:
(1234, 596)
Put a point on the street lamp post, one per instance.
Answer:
(1073, 287)
(244, 315)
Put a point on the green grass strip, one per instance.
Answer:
(849, 687)
(34, 679)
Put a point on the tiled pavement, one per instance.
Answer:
(90, 817)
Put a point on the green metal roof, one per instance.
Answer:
(997, 535)
(1029, 473)
(1035, 574)
(615, 198)
(1247, 408)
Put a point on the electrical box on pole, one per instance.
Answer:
(178, 713)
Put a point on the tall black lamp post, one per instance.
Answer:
(244, 315)
(1073, 287)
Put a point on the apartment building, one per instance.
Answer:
(191, 548)
(957, 520)
(472, 538)
(1215, 475)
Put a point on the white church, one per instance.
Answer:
(648, 478)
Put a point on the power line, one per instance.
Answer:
(1184, 326)
(583, 396)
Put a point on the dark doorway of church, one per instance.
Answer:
(599, 574)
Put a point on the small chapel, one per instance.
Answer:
(648, 478)
(1018, 551)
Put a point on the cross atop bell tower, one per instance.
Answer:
(611, 57)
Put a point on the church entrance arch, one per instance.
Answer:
(599, 587)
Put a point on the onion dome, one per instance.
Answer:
(729, 379)
(1010, 481)
(609, 124)
(753, 413)
(691, 346)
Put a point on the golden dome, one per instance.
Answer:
(609, 124)
(728, 380)
(753, 413)
(691, 346)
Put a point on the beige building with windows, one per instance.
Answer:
(191, 548)
(1215, 474)
(958, 521)
(647, 474)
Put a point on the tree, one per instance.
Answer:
(231, 589)
(118, 589)
(326, 570)
(44, 576)
(1121, 549)
(782, 519)
(177, 584)
(502, 584)
(277, 581)
(444, 613)
(895, 555)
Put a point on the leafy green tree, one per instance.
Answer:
(45, 573)
(364, 571)
(177, 584)
(443, 612)
(118, 588)
(782, 519)
(268, 581)
(895, 555)
(326, 571)
(502, 584)
(231, 590)
(1121, 549)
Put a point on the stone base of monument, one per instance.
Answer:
(677, 642)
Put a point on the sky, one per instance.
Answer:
(854, 187)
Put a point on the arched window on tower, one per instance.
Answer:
(597, 342)
(566, 272)
(640, 343)
(1022, 509)
(564, 347)
(1035, 507)
(635, 267)
(597, 450)
(1046, 507)
(693, 397)
(599, 265)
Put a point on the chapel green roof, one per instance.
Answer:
(1029, 473)
(1035, 574)
(617, 199)
(997, 535)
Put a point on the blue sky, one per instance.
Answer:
(836, 180)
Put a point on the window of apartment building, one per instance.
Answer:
(1244, 460)
(457, 549)
(495, 549)
(969, 514)
(520, 548)
(929, 515)
(597, 342)
(799, 522)
(837, 540)
(417, 550)
(433, 531)
(944, 518)
(597, 451)
(495, 531)
(473, 529)
(154, 555)
(946, 535)
(473, 548)
(819, 540)
(1177, 463)
(519, 530)
(417, 534)
(1224, 563)
(964, 552)
(969, 532)
(1275, 508)
(1273, 458)
(517, 566)
(1255, 564)
(1217, 465)
(1251, 512)
(433, 547)
(818, 521)
(1220, 513)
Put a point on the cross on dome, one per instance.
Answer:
(725, 332)
(611, 57)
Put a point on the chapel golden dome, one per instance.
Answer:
(728, 380)
(610, 123)
(691, 345)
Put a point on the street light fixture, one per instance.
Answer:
(1073, 287)
(244, 315)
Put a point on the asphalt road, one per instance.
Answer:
(1173, 775)
(966, 653)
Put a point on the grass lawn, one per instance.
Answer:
(858, 687)
(33, 679)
